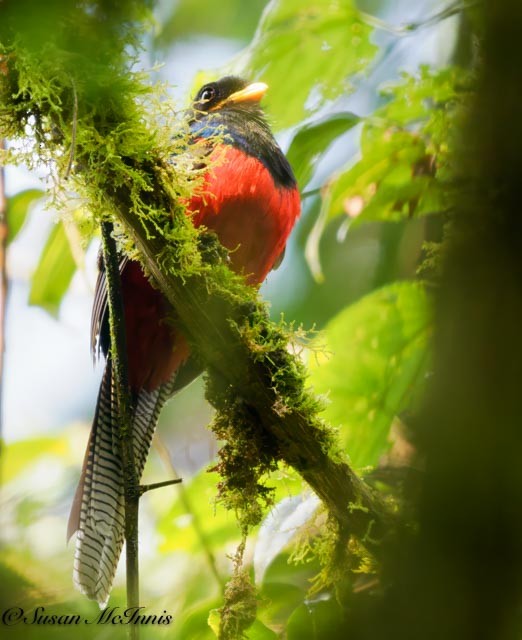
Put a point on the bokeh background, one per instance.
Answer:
(50, 383)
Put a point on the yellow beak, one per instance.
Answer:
(253, 93)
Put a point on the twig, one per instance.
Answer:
(143, 488)
(120, 373)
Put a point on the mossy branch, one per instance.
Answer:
(248, 362)
(124, 170)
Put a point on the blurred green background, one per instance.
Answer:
(360, 96)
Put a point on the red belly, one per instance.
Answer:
(252, 218)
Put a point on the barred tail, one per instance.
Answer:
(98, 511)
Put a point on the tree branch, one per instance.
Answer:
(123, 168)
(158, 485)
(212, 322)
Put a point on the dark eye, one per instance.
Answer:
(207, 94)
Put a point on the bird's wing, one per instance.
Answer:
(279, 259)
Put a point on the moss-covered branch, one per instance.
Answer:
(251, 371)
(80, 101)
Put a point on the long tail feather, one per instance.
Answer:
(98, 512)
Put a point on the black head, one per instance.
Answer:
(230, 92)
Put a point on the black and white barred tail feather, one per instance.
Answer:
(97, 514)
(98, 511)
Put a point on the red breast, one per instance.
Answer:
(252, 218)
(250, 214)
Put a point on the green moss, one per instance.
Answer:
(240, 608)
(246, 458)
(103, 132)
(250, 454)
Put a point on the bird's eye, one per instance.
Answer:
(207, 94)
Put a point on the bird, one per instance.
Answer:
(250, 199)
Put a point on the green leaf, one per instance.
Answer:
(54, 272)
(17, 209)
(277, 601)
(306, 52)
(290, 572)
(404, 149)
(312, 140)
(385, 181)
(284, 588)
(315, 621)
(405, 157)
(226, 18)
(214, 621)
(416, 98)
(258, 631)
(378, 350)
(194, 625)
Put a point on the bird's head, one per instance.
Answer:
(228, 110)
(229, 94)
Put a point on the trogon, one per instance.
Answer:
(250, 199)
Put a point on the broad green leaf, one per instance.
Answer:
(258, 631)
(286, 571)
(375, 355)
(405, 157)
(306, 52)
(54, 272)
(314, 139)
(226, 18)
(315, 621)
(387, 181)
(17, 209)
(277, 600)
(284, 588)
(193, 624)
